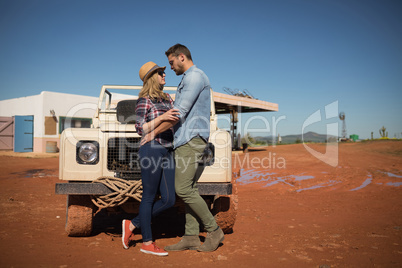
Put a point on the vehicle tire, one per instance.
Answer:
(225, 210)
(79, 215)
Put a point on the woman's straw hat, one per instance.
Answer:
(148, 69)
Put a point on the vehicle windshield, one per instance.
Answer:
(111, 95)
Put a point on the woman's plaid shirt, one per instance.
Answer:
(147, 110)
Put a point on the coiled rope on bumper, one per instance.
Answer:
(122, 191)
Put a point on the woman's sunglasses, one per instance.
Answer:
(161, 73)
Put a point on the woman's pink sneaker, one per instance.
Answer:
(153, 249)
(125, 238)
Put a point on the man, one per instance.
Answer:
(193, 100)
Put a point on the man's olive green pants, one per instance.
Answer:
(186, 177)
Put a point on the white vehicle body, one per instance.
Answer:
(109, 149)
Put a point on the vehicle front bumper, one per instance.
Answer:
(86, 188)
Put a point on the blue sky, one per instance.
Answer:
(301, 54)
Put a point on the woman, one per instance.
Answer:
(156, 157)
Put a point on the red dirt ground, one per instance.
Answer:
(298, 212)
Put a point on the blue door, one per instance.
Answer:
(23, 134)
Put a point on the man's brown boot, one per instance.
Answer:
(191, 242)
(212, 241)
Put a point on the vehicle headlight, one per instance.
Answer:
(88, 152)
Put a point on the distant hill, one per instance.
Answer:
(306, 137)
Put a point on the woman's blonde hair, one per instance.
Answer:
(153, 89)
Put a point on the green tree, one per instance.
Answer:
(248, 139)
(383, 132)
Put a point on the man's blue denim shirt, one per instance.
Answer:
(193, 100)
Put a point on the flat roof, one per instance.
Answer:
(225, 103)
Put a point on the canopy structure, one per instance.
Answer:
(225, 104)
(231, 104)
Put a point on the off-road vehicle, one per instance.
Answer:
(101, 170)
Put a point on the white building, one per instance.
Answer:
(48, 113)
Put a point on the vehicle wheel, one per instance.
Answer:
(79, 215)
(225, 210)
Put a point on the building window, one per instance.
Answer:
(73, 122)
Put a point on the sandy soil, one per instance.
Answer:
(294, 211)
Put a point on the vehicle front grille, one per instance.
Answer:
(122, 157)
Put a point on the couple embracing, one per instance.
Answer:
(160, 121)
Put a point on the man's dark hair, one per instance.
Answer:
(178, 49)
